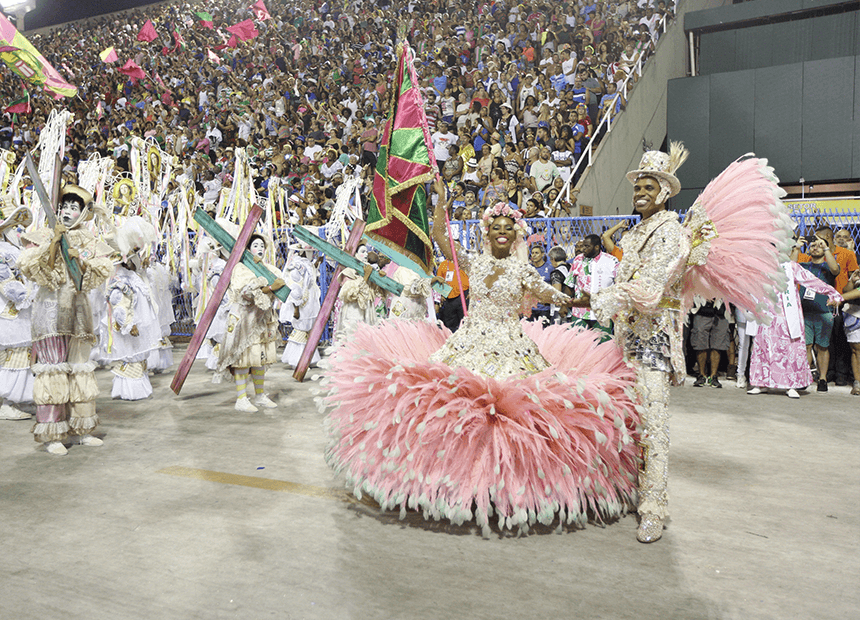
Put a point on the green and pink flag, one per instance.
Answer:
(397, 209)
(27, 63)
(205, 19)
(19, 106)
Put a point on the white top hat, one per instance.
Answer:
(662, 166)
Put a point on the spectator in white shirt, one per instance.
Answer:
(650, 21)
(312, 148)
(568, 65)
(214, 135)
(442, 138)
(211, 188)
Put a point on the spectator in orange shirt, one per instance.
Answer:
(839, 350)
(609, 244)
(529, 53)
(451, 308)
(846, 259)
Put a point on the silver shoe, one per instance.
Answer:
(650, 528)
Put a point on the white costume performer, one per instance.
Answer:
(158, 274)
(415, 303)
(131, 329)
(250, 343)
(62, 325)
(356, 299)
(301, 308)
(206, 272)
(16, 297)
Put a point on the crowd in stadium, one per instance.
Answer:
(514, 91)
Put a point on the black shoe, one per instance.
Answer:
(700, 381)
(714, 382)
(822, 385)
(841, 381)
(732, 372)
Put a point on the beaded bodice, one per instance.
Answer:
(490, 340)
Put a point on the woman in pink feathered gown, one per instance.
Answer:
(503, 419)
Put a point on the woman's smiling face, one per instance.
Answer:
(501, 235)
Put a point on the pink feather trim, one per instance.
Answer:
(454, 444)
(753, 231)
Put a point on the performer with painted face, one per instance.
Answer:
(251, 339)
(62, 324)
(355, 300)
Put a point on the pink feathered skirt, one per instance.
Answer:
(456, 445)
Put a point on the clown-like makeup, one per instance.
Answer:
(361, 253)
(257, 247)
(70, 211)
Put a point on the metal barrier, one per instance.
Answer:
(548, 232)
(807, 222)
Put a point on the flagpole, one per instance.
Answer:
(454, 255)
(439, 178)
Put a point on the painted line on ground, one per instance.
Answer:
(267, 484)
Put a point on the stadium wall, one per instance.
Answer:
(786, 90)
(604, 188)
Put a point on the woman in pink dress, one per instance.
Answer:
(779, 351)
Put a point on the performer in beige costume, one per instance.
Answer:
(62, 324)
(645, 303)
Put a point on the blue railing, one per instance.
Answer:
(548, 232)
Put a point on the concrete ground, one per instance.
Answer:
(192, 510)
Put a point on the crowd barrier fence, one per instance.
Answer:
(547, 232)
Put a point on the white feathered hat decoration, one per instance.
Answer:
(136, 236)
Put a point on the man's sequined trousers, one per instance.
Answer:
(653, 387)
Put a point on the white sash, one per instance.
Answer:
(790, 305)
